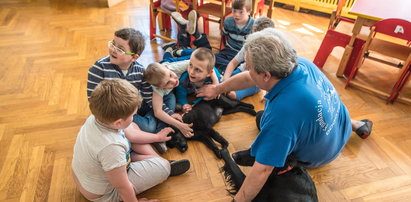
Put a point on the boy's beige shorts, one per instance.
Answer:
(143, 175)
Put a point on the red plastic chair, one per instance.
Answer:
(259, 9)
(334, 39)
(397, 28)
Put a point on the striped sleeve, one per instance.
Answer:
(95, 76)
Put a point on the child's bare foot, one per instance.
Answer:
(232, 95)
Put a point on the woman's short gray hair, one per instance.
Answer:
(269, 51)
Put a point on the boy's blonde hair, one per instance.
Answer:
(154, 73)
(205, 54)
(240, 4)
(262, 23)
(114, 99)
(134, 37)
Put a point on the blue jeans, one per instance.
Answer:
(149, 123)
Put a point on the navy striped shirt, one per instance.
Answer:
(104, 69)
(236, 36)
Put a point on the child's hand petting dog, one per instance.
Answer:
(163, 134)
(187, 108)
(177, 117)
(186, 129)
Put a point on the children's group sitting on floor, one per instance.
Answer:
(133, 107)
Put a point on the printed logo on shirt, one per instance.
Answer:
(329, 98)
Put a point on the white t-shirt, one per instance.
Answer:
(179, 68)
(98, 149)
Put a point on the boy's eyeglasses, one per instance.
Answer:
(118, 50)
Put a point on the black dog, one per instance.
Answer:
(204, 115)
(293, 185)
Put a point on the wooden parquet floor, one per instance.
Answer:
(46, 48)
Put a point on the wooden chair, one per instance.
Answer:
(163, 17)
(336, 17)
(214, 11)
(382, 45)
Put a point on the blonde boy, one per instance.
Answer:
(103, 166)
(190, 74)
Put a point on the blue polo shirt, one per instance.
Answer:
(303, 116)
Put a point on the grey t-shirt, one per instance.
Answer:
(98, 149)
(240, 57)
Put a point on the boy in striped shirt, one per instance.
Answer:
(124, 50)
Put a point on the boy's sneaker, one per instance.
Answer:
(181, 22)
(169, 47)
(179, 167)
(192, 20)
(177, 52)
(161, 147)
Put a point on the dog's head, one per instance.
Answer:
(203, 116)
(178, 141)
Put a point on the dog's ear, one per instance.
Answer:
(190, 117)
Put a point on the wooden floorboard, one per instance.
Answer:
(47, 47)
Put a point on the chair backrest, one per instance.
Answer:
(398, 28)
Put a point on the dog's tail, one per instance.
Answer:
(232, 173)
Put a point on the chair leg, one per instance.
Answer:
(153, 15)
(353, 65)
(166, 22)
(402, 81)
(355, 56)
(331, 39)
(260, 7)
(206, 25)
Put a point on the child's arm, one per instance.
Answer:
(230, 69)
(135, 135)
(119, 179)
(214, 77)
(166, 118)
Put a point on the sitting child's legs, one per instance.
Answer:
(240, 94)
(142, 151)
(146, 123)
(184, 55)
(148, 173)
